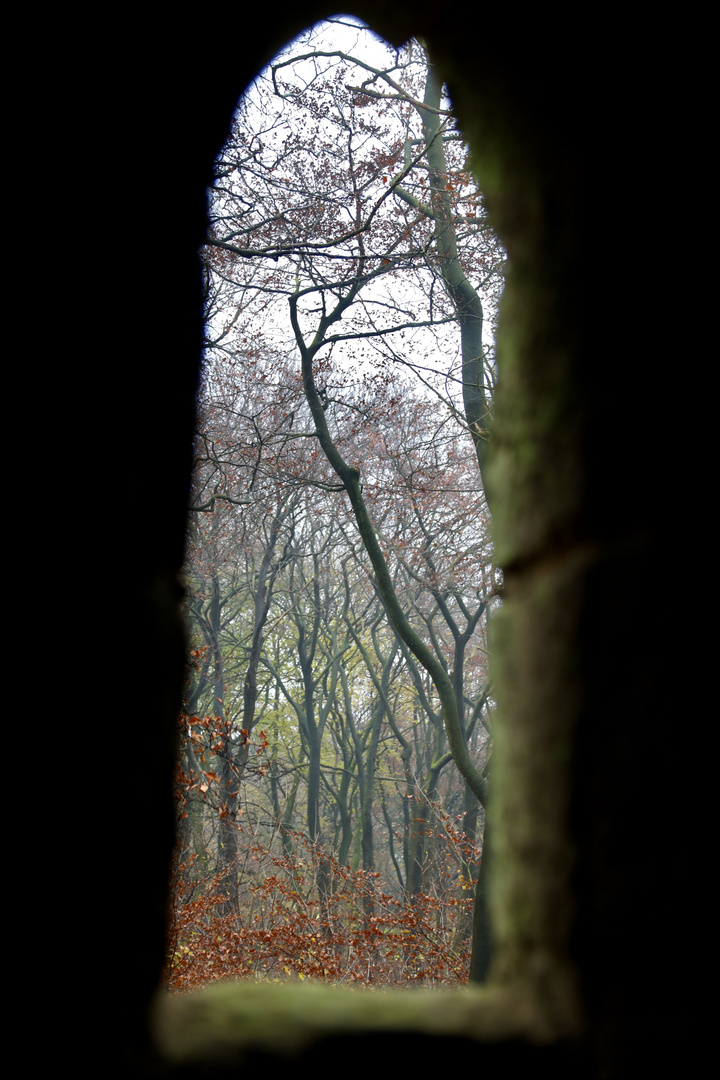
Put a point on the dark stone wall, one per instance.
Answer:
(567, 145)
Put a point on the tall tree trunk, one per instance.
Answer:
(481, 954)
(228, 789)
(464, 296)
(468, 869)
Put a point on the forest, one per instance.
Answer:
(336, 730)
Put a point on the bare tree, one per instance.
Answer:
(346, 228)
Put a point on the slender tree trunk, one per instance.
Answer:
(469, 869)
(228, 788)
(481, 954)
(262, 596)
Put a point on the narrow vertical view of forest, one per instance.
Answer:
(336, 731)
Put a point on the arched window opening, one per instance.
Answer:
(337, 721)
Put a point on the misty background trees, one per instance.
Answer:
(337, 723)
